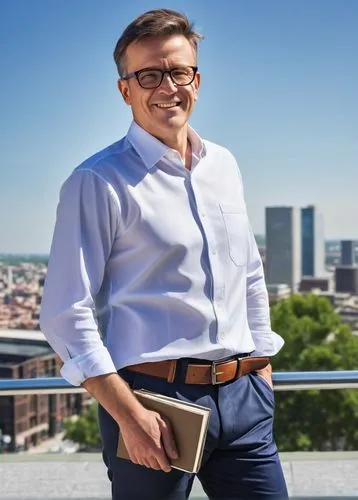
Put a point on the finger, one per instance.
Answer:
(146, 463)
(163, 462)
(150, 463)
(133, 459)
(162, 459)
(168, 439)
(153, 463)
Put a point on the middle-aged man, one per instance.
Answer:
(155, 281)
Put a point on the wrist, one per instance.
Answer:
(129, 409)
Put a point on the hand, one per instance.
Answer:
(266, 373)
(149, 440)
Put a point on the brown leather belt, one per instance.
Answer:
(214, 372)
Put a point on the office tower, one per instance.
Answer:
(313, 252)
(283, 246)
(347, 279)
(347, 253)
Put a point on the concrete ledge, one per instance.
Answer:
(82, 476)
(292, 456)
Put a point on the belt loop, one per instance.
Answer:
(172, 370)
(239, 359)
(239, 368)
(181, 369)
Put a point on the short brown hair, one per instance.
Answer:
(154, 23)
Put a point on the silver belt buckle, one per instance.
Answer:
(215, 373)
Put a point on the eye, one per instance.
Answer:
(149, 76)
(182, 75)
(180, 71)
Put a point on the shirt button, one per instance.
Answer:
(213, 251)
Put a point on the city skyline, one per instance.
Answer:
(279, 89)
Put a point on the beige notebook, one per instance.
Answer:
(189, 423)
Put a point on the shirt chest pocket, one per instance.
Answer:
(236, 229)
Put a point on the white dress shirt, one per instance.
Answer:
(152, 261)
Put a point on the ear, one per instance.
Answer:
(196, 85)
(123, 88)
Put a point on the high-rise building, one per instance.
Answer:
(312, 242)
(283, 246)
(346, 278)
(347, 253)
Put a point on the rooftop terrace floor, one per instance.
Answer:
(82, 476)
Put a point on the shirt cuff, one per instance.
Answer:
(267, 344)
(92, 364)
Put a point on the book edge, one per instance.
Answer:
(179, 402)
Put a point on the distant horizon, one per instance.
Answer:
(261, 236)
(257, 236)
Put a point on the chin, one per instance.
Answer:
(176, 122)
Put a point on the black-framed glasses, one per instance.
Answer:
(151, 78)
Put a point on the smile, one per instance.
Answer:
(167, 105)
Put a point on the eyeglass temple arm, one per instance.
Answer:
(128, 75)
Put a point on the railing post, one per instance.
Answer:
(52, 409)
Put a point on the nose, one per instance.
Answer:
(167, 84)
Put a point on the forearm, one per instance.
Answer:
(114, 394)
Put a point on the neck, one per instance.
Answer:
(178, 142)
(183, 147)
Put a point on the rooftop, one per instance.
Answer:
(22, 335)
(51, 472)
(23, 349)
(82, 476)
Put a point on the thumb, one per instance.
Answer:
(168, 439)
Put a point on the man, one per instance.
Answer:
(155, 281)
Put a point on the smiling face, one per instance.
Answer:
(164, 111)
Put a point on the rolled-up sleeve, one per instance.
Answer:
(87, 222)
(266, 341)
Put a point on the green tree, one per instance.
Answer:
(315, 340)
(85, 430)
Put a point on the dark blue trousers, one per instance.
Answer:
(240, 459)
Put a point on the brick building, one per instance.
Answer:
(30, 419)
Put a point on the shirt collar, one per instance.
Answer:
(198, 149)
(151, 150)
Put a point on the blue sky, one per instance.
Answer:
(279, 89)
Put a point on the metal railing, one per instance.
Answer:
(283, 381)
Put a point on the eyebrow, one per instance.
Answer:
(161, 69)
